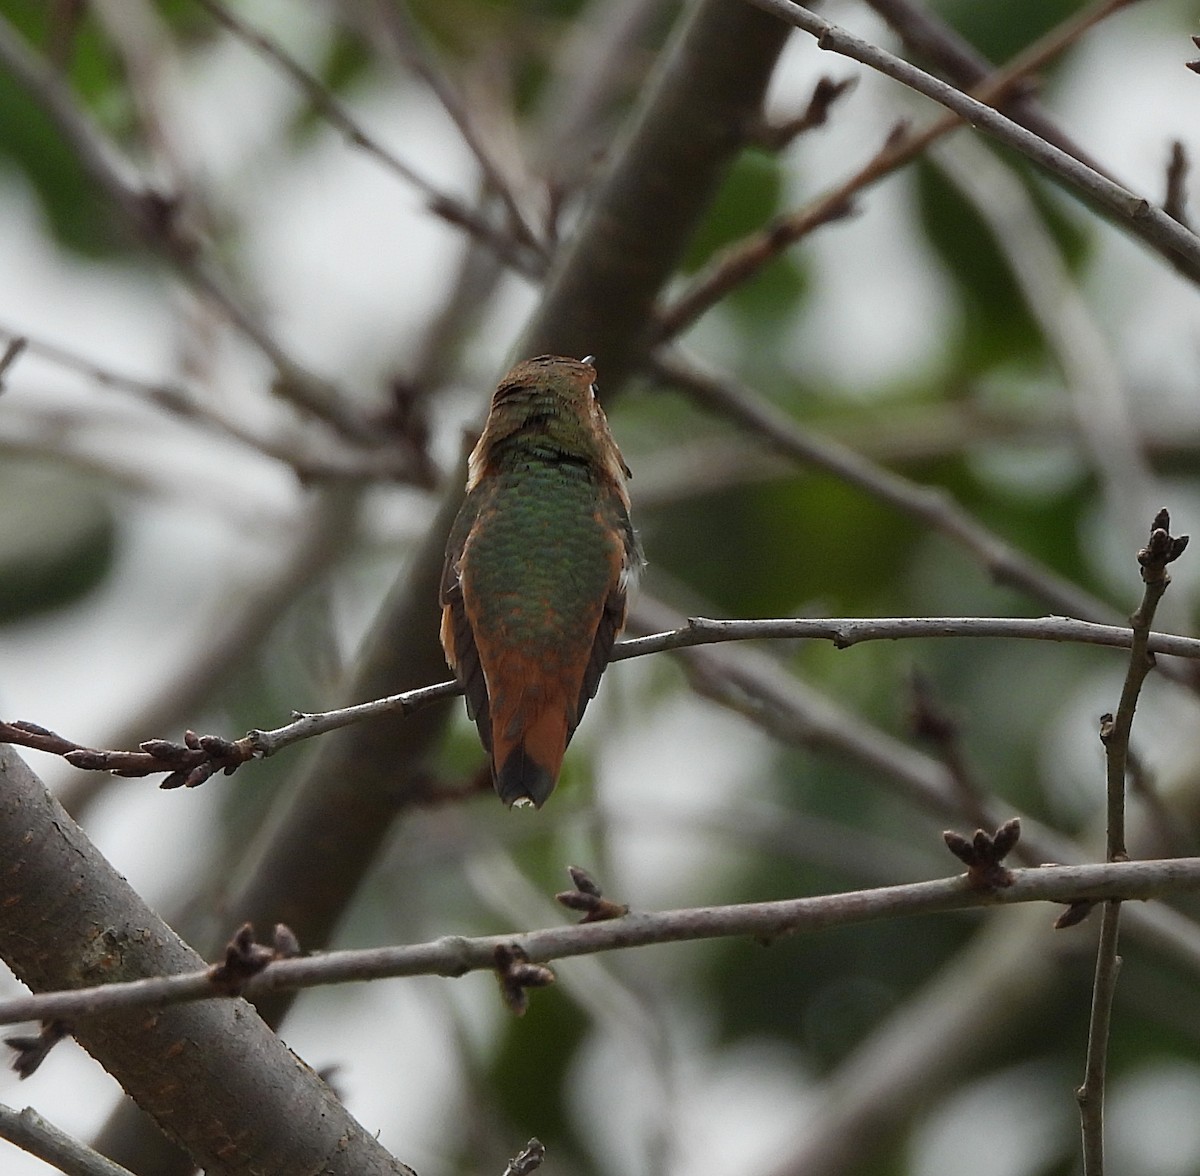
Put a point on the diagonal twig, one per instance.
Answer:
(1135, 214)
(154, 218)
(931, 505)
(1175, 199)
(331, 460)
(441, 204)
(739, 261)
(35, 1135)
(927, 35)
(401, 33)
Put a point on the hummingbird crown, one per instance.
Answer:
(546, 409)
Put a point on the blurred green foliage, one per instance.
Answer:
(1000, 31)
(997, 326)
(808, 540)
(58, 539)
(529, 1071)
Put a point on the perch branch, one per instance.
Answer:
(198, 757)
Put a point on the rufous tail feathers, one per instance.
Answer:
(526, 770)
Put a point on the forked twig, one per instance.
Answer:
(441, 204)
(1135, 214)
(744, 258)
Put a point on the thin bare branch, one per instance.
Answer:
(323, 460)
(933, 722)
(400, 31)
(154, 218)
(33, 1134)
(775, 136)
(849, 631)
(528, 1159)
(739, 261)
(757, 687)
(1170, 831)
(1135, 214)
(928, 1044)
(927, 35)
(440, 203)
(1090, 1095)
(455, 955)
(1090, 372)
(12, 352)
(236, 629)
(199, 757)
(1162, 549)
(1175, 199)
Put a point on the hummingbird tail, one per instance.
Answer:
(528, 770)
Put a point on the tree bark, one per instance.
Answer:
(212, 1075)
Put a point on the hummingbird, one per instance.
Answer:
(538, 566)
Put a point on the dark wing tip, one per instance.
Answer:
(521, 780)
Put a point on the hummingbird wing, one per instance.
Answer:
(626, 563)
(458, 638)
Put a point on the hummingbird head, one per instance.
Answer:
(546, 409)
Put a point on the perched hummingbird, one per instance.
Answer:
(537, 568)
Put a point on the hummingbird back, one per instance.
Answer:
(537, 570)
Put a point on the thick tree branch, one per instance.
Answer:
(213, 1076)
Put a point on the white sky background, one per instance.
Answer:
(347, 265)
